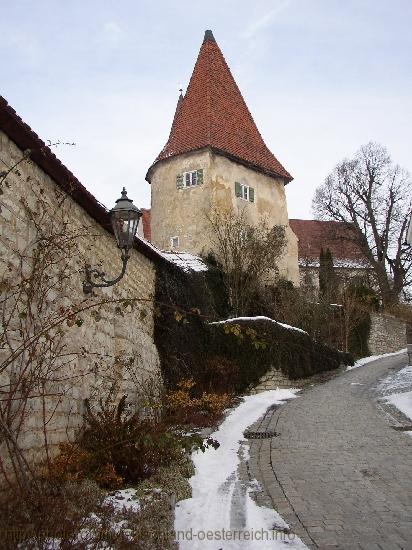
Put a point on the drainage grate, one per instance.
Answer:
(260, 435)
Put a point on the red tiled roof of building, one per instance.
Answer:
(146, 217)
(214, 114)
(315, 234)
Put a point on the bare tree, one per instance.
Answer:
(375, 196)
(249, 254)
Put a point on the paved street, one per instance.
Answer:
(338, 473)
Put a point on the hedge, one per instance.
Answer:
(192, 344)
(259, 344)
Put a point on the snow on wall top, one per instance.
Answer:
(187, 262)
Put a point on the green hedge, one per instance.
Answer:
(259, 344)
(181, 337)
(190, 345)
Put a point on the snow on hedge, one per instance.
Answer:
(259, 318)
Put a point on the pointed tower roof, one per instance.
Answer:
(214, 114)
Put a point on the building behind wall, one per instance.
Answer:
(348, 260)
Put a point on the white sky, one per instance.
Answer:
(320, 77)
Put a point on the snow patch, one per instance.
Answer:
(340, 263)
(366, 360)
(395, 383)
(402, 401)
(125, 499)
(221, 501)
(184, 260)
(258, 318)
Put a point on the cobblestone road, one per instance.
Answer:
(338, 473)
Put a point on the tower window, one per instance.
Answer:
(244, 192)
(189, 179)
(174, 242)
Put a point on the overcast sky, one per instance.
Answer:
(320, 77)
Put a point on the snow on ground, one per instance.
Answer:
(402, 401)
(259, 318)
(399, 381)
(221, 507)
(366, 360)
(396, 389)
(124, 499)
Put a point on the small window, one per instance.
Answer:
(174, 242)
(244, 189)
(189, 179)
(244, 192)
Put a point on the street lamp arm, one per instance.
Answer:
(93, 275)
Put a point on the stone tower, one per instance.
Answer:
(215, 157)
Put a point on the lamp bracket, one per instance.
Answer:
(93, 275)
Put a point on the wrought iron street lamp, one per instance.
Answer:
(125, 218)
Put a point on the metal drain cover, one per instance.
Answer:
(260, 435)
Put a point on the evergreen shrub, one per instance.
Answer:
(226, 357)
(259, 344)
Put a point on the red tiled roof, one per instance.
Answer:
(26, 139)
(314, 235)
(146, 217)
(214, 114)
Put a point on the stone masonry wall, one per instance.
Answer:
(387, 334)
(274, 379)
(113, 344)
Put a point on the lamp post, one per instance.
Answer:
(125, 218)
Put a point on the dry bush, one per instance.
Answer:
(117, 447)
(77, 516)
(247, 253)
(184, 407)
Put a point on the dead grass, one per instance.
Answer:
(76, 515)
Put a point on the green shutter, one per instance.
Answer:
(200, 176)
(179, 181)
(238, 190)
(251, 194)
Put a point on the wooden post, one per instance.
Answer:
(409, 342)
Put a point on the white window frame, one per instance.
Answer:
(172, 239)
(244, 190)
(190, 174)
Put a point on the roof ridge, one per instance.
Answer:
(209, 108)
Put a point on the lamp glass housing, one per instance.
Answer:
(125, 218)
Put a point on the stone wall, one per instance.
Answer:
(274, 379)
(108, 342)
(387, 334)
